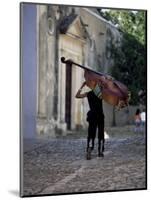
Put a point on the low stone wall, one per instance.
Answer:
(122, 117)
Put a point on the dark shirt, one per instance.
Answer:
(95, 103)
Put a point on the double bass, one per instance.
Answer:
(113, 92)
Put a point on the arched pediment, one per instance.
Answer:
(73, 26)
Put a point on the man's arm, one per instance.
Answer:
(79, 94)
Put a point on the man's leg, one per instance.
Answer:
(91, 137)
(101, 137)
(100, 147)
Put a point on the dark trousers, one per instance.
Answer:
(96, 123)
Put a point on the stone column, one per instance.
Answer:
(42, 62)
(61, 125)
(45, 119)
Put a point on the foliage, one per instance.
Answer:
(131, 22)
(130, 57)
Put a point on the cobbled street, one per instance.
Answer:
(59, 165)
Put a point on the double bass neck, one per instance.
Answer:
(63, 60)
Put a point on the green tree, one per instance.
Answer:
(130, 56)
(131, 22)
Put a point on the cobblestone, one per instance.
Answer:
(59, 165)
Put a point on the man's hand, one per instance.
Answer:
(69, 61)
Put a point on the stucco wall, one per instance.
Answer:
(47, 82)
(122, 117)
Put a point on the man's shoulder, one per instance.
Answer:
(90, 93)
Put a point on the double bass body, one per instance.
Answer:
(113, 92)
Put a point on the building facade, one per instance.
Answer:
(76, 33)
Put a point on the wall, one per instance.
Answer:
(96, 42)
(47, 83)
(29, 71)
(122, 117)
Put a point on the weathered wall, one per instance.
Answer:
(96, 40)
(47, 84)
(97, 49)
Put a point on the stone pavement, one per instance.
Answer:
(53, 166)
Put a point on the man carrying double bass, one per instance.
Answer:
(95, 118)
(103, 87)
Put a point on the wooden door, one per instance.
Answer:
(68, 96)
